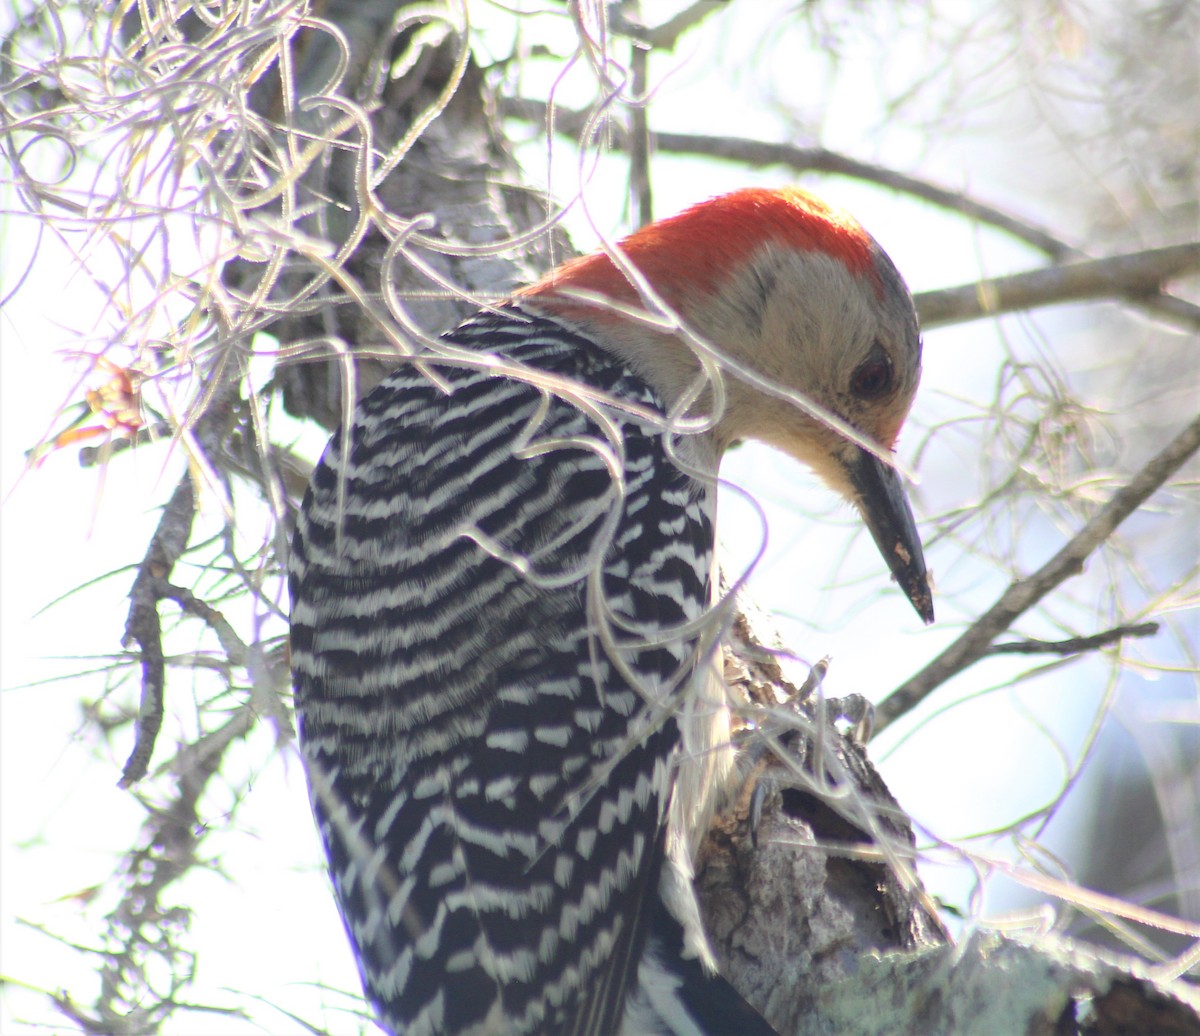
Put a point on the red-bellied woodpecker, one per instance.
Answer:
(503, 642)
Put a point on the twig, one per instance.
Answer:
(639, 143)
(822, 160)
(1025, 593)
(1122, 276)
(145, 628)
(90, 456)
(143, 925)
(818, 159)
(233, 645)
(802, 159)
(248, 656)
(1074, 645)
(1173, 309)
(666, 35)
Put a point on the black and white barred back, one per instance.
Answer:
(491, 788)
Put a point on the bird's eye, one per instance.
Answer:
(873, 379)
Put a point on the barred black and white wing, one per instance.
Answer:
(483, 699)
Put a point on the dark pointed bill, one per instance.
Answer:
(886, 512)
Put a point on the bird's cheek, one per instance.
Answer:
(887, 431)
(890, 420)
(833, 473)
(818, 449)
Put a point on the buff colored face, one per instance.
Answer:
(805, 324)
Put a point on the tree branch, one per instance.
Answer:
(144, 924)
(1074, 645)
(1025, 593)
(639, 150)
(992, 983)
(666, 35)
(821, 160)
(799, 159)
(1131, 276)
(145, 628)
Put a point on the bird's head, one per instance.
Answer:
(805, 307)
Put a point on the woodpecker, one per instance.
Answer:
(504, 633)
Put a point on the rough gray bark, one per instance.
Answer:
(814, 864)
(816, 916)
(455, 188)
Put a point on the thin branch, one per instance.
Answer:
(1173, 309)
(144, 627)
(143, 925)
(639, 150)
(233, 645)
(1131, 276)
(91, 456)
(801, 159)
(822, 160)
(1025, 593)
(251, 657)
(1075, 645)
(818, 159)
(666, 35)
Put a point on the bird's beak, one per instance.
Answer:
(887, 514)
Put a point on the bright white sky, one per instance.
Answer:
(272, 930)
